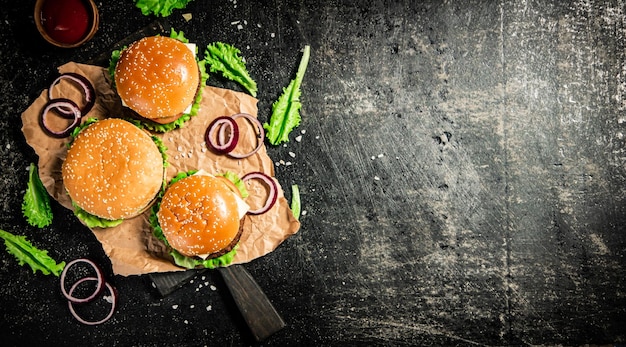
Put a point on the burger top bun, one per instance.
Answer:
(157, 77)
(200, 216)
(113, 169)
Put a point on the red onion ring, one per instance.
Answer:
(89, 93)
(57, 105)
(113, 303)
(271, 197)
(218, 143)
(252, 119)
(68, 295)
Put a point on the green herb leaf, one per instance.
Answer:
(225, 58)
(36, 203)
(295, 201)
(162, 8)
(26, 253)
(286, 110)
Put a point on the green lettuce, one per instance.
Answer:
(26, 253)
(238, 182)
(295, 201)
(225, 58)
(162, 8)
(36, 203)
(94, 221)
(286, 110)
(182, 260)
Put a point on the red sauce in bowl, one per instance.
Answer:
(66, 21)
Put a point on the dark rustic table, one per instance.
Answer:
(461, 166)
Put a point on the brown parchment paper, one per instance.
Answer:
(131, 246)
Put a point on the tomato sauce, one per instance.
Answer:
(66, 21)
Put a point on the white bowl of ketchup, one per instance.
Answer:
(66, 23)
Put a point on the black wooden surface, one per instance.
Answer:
(461, 166)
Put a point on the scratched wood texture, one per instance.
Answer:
(461, 166)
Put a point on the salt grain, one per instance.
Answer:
(292, 154)
(299, 138)
(175, 307)
(213, 288)
(208, 308)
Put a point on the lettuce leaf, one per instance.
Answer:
(295, 201)
(162, 8)
(225, 58)
(238, 182)
(26, 253)
(180, 36)
(182, 260)
(286, 110)
(36, 203)
(94, 221)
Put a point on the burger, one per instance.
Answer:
(113, 171)
(159, 81)
(198, 217)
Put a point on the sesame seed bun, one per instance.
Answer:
(113, 170)
(158, 78)
(200, 216)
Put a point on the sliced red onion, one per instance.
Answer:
(56, 105)
(260, 136)
(272, 196)
(113, 301)
(218, 143)
(98, 278)
(89, 93)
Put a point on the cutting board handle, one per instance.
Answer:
(258, 312)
